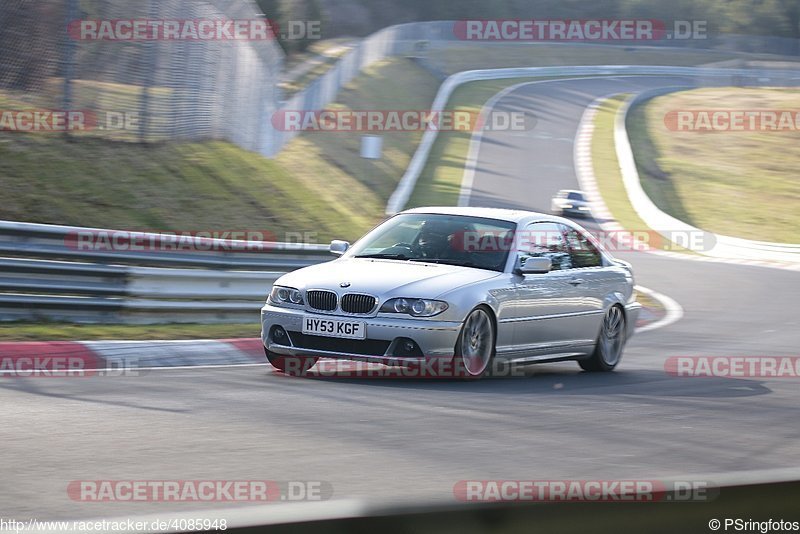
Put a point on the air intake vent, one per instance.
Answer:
(354, 303)
(322, 300)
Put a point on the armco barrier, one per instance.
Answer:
(50, 279)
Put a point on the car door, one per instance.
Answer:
(592, 281)
(546, 304)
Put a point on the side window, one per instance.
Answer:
(582, 251)
(545, 240)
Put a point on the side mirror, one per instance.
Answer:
(538, 265)
(339, 247)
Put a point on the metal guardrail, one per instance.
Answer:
(45, 275)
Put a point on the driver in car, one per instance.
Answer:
(432, 240)
(436, 240)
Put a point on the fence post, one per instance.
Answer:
(69, 57)
(149, 74)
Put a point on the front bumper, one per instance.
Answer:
(433, 339)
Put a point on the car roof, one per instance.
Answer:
(502, 214)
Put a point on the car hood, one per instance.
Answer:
(385, 278)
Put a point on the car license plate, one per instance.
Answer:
(334, 328)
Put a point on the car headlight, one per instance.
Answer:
(285, 295)
(567, 206)
(414, 307)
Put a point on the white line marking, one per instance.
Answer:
(674, 310)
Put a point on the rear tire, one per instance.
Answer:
(610, 343)
(291, 365)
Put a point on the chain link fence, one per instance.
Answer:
(144, 89)
(166, 90)
(158, 89)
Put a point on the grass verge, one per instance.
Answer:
(607, 172)
(737, 183)
(330, 162)
(606, 165)
(318, 184)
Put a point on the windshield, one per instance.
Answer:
(574, 195)
(448, 239)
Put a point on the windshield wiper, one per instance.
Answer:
(384, 256)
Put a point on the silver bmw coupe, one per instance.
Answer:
(471, 287)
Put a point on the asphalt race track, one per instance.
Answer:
(412, 440)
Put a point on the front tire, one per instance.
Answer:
(610, 343)
(291, 365)
(475, 347)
